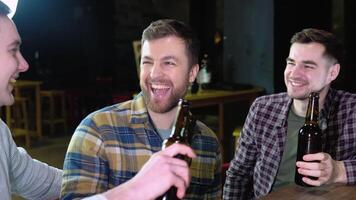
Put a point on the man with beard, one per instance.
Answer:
(111, 145)
(265, 158)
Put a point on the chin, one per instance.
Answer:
(298, 96)
(7, 102)
(159, 108)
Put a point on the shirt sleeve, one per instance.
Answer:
(238, 184)
(31, 178)
(85, 167)
(350, 164)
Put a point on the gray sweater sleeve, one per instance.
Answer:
(28, 177)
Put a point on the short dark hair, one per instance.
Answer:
(170, 27)
(4, 9)
(333, 47)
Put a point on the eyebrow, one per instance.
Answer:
(289, 59)
(147, 57)
(169, 57)
(307, 62)
(164, 58)
(15, 43)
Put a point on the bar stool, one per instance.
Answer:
(17, 119)
(54, 109)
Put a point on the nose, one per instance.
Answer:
(23, 65)
(156, 70)
(297, 70)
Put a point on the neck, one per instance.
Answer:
(163, 120)
(300, 106)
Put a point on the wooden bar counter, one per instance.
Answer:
(328, 192)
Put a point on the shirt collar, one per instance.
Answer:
(327, 108)
(139, 113)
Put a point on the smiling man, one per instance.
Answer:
(19, 173)
(111, 145)
(266, 155)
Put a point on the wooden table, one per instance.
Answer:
(329, 192)
(34, 86)
(219, 98)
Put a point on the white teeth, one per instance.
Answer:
(12, 80)
(159, 86)
(296, 84)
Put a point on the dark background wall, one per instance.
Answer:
(87, 41)
(249, 41)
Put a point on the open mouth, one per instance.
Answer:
(12, 81)
(297, 83)
(159, 90)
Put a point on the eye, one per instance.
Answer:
(290, 63)
(146, 62)
(309, 66)
(170, 63)
(14, 51)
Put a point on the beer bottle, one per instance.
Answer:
(309, 137)
(180, 134)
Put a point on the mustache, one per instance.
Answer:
(159, 81)
(296, 79)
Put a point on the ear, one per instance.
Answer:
(333, 72)
(193, 73)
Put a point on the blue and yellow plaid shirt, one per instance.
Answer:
(111, 145)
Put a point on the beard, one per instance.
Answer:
(171, 102)
(304, 95)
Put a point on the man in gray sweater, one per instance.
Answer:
(19, 173)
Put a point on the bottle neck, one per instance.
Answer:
(180, 121)
(312, 115)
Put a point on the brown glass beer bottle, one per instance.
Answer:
(180, 134)
(309, 137)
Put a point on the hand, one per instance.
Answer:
(160, 172)
(324, 168)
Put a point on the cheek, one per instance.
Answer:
(286, 74)
(143, 74)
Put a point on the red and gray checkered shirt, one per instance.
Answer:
(254, 168)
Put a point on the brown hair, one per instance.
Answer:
(170, 27)
(333, 48)
(4, 9)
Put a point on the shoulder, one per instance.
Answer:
(345, 102)
(271, 102)
(205, 136)
(109, 115)
(205, 130)
(345, 98)
(272, 98)
(5, 135)
(121, 114)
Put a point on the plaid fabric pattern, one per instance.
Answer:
(253, 170)
(111, 145)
